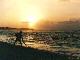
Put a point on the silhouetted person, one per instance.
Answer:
(19, 37)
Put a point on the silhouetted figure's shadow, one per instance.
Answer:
(19, 38)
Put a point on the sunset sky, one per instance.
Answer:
(33, 13)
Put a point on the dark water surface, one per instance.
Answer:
(69, 42)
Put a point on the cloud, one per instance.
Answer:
(59, 26)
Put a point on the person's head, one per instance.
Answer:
(20, 31)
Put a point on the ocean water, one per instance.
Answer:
(50, 41)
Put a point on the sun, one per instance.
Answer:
(32, 20)
(31, 15)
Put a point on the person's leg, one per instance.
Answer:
(15, 41)
(20, 42)
(23, 42)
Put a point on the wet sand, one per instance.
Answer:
(11, 52)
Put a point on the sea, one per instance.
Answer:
(53, 41)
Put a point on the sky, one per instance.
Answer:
(36, 13)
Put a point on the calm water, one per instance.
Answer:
(51, 41)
